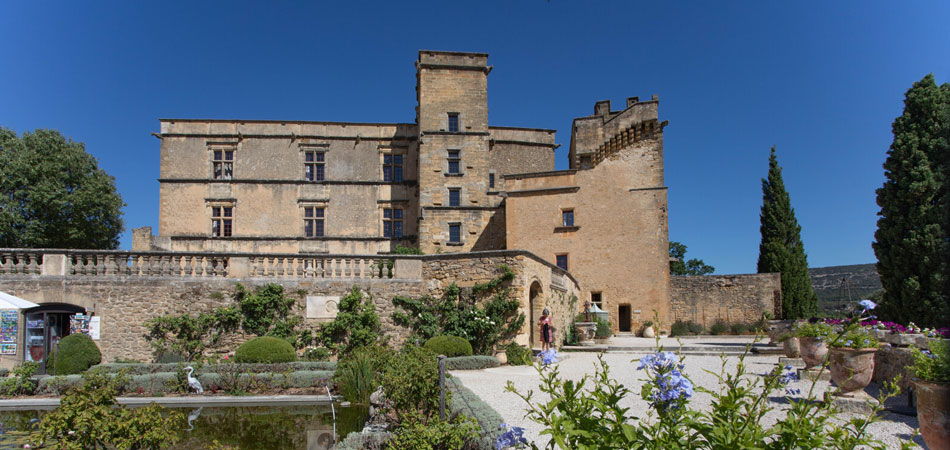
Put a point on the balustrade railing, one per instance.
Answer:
(320, 266)
(146, 264)
(24, 262)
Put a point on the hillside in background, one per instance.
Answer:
(834, 284)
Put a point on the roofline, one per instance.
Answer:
(447, 52)
(521, 128)
(311, 122)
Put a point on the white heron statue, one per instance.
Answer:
(193, 382)
(192, 417)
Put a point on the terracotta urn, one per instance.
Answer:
(648, 332)
(502, 356)
(813, 351)
(851, 369)
(933, 412)
(792, 347)
(585, 332)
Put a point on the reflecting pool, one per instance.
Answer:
(244, 428)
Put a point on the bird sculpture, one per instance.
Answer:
(193, 382)
(192, 417)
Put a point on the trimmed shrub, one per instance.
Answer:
(464, 401)
(265, 349)
(147, 368)
(739, 328)
(370, 440)
(411, 381)
(518, 355)
(694, 328)
(450, 346)
(475, 362)
(58, 385)
(681, 328)
(719, 327)
(603, 329)
(75, 354)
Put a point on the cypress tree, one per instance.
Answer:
(781, 249)
(911, 242)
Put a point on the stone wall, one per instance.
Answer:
(730, 298)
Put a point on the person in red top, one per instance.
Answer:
(547, 331)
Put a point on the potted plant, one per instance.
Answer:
(932, 387)
(603, 332)
(813, 342)
(585, 327)
(852, 359)
(648, 331)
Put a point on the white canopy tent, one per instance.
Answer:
(8, 301)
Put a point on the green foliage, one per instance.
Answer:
(411, 382)
(813, 330)
(403, 250)
(21, 383)
(912, 241)
(933, 365)
(856, 338)
(517, 355)
(475, 362)
(465, 402)
(603, 329)
(718, 327)
(265, 349)
(356, 324)
(89, 417)
(147, 368)
(359, 372)
(54, 195)
(188, 335)
(76, 353)
(681, 266)
(267, 312)
(316, 354)
(681, 328)
(449, 346)
(460, 433)
(738, 328)
(781, 249)
(482, 322)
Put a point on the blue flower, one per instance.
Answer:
(549, 356)
(788, 377)
(513, 437)
(670, 387)
(867, 305)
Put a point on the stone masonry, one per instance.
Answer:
(730, 298)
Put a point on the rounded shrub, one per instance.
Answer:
(450, 346)
(265, 349)
(75, 353)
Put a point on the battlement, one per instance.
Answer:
(596, 137)
(436, 59)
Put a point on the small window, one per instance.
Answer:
(392, 168)
(561, 261)
(454, 122)
(313, 217)
(392, 222)
(221, 217)
(597, 299)
(454, 159)
(314, 166)
(567, 218)
(455, 233)
(491, 180)
(455, 197)
(223, 164)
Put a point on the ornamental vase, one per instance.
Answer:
(585, 332)
(776, 328)
(813, 351)
(933, 412)
(792, 347)
(502, 356)
(648, 332)
(851, 369)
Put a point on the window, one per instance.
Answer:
(392, 168)
(454, 122)
(392, 222)
(455, 197)
(223, 164)
(597, 299)
(221, 220)
(491, 180)
(454, 160)
(455, 233)
(314, 166)
(567, 218)
(561, 261)
(313, 221)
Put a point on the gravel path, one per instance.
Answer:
(489, 384)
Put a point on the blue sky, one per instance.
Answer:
(822, 81)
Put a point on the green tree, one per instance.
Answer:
(54, 195)
(681, 266)
(911, 242)
(781, 249)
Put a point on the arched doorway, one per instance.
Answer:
(535, 306)
(45, 326)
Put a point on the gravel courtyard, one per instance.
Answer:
(489, 384)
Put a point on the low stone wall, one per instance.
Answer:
(731, 298)
(889, 362)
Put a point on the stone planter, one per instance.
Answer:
(601, 341)
(502, 356)
(923, 343)
(880, 335)
(813, 351)
(851, 369)
(648, 332)
(933, 412)
(903, 340)
(792, 347)
(585, 332)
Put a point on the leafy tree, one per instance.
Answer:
(266, 311)
(782, 249)
(912, 242)
(683, 267)
(54, 195)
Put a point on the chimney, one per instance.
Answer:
(602, 108)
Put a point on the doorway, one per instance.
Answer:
(45, 326)
(623, 318)
(534, 311)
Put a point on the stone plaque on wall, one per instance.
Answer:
(322, 306)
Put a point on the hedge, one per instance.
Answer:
(146, 368)
(360, 441)
(471, 362)
(154, 383)
(75, 353)
(265, 349)
(450, 346)
(464, 401)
